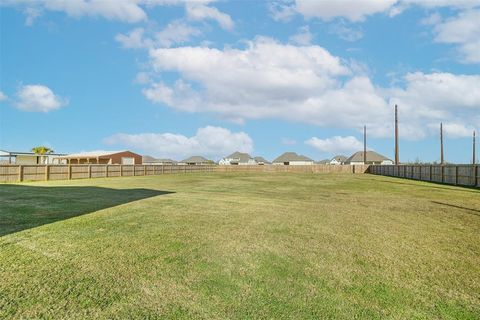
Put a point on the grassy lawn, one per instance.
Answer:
(239, 246)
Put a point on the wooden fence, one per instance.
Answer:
(15, 173)
(461, 175)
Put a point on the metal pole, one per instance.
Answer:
(397, 161)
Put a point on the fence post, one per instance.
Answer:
(89, 171)
(47, 172)
(69, 172)
(443, 173)
(430, 178)
(20, 173)
(476, 176)
(456, 175)
(144, 170)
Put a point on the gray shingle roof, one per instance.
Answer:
(242, 157)
(291, 156)
(196, 159)
(372, 156)
(340, 158)
(261, 160)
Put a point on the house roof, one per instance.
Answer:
(340, 158)
(261, 159)
(92, 154)
(372, 156)
(148, 159)
(291, 156)
(196, 159)
(243, 157)
(5, 153)
(324, 161)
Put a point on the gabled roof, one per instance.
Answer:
(291, 156)
(92, 154)
(372, 156)
(196, 159)
(261, 160)
(324, 161)
(242, 157)
(15, 153)
(339, 158)
(147, 159)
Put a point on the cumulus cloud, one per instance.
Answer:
(462, 30)
(210, 142)
(335, 145)
(130, 11)
(199, 11)
(306, 84)
(3, 96)
(38, 98)
(303, 37)
(359, 10)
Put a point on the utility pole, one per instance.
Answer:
(397, 160)
(474, 151)
(364, 144)
(442, 162)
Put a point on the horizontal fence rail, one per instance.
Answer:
(17, 173)
(460, 175)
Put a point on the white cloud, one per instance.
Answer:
(211, 142)
(199, 11)
(303, 37)
(38, 98)
(462, 30)
(345, 32)
(335, 145)
(270, 80)
(457, 130)
(130, 11)
(3, 96)
(176, 32)
(353, 10)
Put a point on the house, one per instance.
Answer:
(338, 160)
(148, 160)
(103, 157)
(261, 160)
(292, 159)
(11, 157)
(372, 158)
(324, 161)
(196, 161)
(238, 158)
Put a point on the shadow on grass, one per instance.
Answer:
(432, 184)
(475, 212)
(24, 207)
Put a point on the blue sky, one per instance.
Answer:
(173, 78)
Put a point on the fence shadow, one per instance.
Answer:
(432, 184)
(24, 207)
(475, 212)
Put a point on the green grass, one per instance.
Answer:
(243, 246)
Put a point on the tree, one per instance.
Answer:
(42, 151)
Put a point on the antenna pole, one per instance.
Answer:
(397, 160)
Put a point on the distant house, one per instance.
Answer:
(338, 160)
(148, 160)
(261, 160)
(196, 161)
(324, 161)
(11, 157)
(372, 158)
(292, 159)
(103, 157)
(238, 158)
